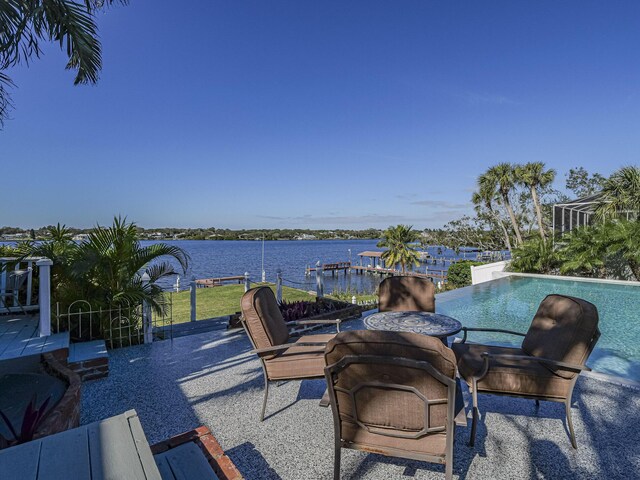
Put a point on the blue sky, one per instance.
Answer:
(318, 114)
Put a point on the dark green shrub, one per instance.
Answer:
(459, 274)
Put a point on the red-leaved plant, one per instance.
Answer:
(292, 311)
(31, 420)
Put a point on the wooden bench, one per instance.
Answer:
(116, 448)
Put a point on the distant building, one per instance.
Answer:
(305, 236)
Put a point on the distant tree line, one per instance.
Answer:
(211, 233)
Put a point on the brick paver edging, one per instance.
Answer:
(201, 436)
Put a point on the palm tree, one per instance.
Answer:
(71, 24)
(485, 197)
(625, 242)
(398, 242)
(620, 194)
(107, 268)
(501, 178)
(62, 250)
(112, 261)
(585, 251)
(535, 256)
(533, 176)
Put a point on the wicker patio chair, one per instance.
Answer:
(407, 293)
(280, 357)
(392, 393)
(554, 351)
(13, 287)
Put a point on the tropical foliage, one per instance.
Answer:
(109, 267)
(400, 250)
(26, 24)
(502, 179)
(536, 255)
(534, 177)
(459, 274)
(512, 200)
(620, 194)
(31, 420)
(609, 250)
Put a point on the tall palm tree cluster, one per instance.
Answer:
(497, 191)
(607, 248)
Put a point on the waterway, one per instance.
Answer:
(219, 258)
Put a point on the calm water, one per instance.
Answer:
(511, 303)
(223, 258)
(219, 258)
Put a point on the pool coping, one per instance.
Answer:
(501, 275)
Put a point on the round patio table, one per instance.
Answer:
(427, 323)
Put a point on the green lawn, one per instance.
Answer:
(219, 301)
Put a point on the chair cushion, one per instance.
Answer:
(299, 362)
(562, 329)
(386, 408)
(508, 376)
(407, 294)
(263, 318)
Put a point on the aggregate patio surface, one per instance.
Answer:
(211, 379)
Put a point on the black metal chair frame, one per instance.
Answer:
(486, 356)
(332, 370)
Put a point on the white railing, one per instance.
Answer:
(9, 264)
(43, 303)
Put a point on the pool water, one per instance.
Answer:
(510, 303)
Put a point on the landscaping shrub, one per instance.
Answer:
(459, 274)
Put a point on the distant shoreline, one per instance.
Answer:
(15, 234)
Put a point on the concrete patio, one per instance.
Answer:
(211, 379)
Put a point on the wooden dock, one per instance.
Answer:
(331, 267)
(216, 282)
(433, 274)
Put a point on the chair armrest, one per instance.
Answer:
(317, 322)
(496, 330)
(530, 358)
(284, 346)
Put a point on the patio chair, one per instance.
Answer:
(392, 393)
(13, 287)
(407, 293)
(546, 366)
(280, 357)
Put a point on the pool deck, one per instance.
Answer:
(211, 379)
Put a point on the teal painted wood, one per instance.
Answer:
(56, 342)
(21, 462)
(19, 342)
(187, 462)
(65, 455)
(15, 332)
(112, 449)
(119, 453)
(80, 352)
(95, 452)
(34, 346)
(163, 466)
(142, 446)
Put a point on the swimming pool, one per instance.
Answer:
(511, 303)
